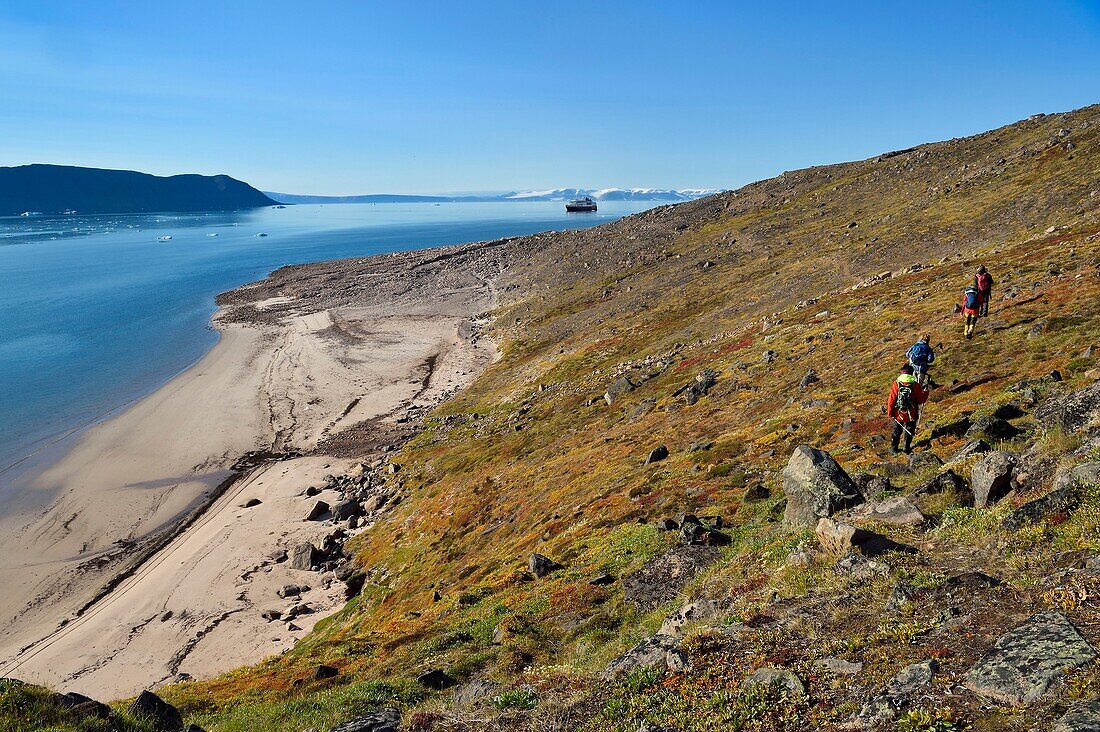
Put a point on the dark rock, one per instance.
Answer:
(920, 460)
(252, 503)
(312, 491)
(353, 585)
(324, 672)
(695, 533)
(160, 714)
(756, 492)
(475, 690)
(290, 591)
(541, 566)
(644, 407)
(699, 388)
(319, 511)
(1024, 662)
(386, 720)
(278, 556)
(946, 482)
(305, 557)
(617, 389)
(816, 486)
(1084, 717)
(657, 454)
(663, 578)
(811, 377)
(952, 429)
(1008, 411)
(1060, 501)
(299, 609)
(602, 580)
(194, 728)
(271, 615)
(701, 446)
(871, 486)
(1071, 412)
(70, 699)
(768, 356)
(974, 447)
(991, 477)
(435, 679)
(992, 428)
(668, 525)
(91, 708)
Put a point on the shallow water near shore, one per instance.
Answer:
(97, 311)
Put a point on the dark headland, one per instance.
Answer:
(53, 189)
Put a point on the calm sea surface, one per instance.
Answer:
(97, 311)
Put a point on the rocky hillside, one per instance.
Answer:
(671, 504)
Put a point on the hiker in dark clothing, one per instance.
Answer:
(984, 282)
(903, 406)
(920, 357)
(971, 307)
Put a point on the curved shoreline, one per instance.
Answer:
(139, 542)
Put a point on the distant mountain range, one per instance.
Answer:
(554, 194)
(54, 189)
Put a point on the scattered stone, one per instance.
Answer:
(859, 567)
(838, 666)
(871, 486)
(90, 709)
(617, 389)
(386, 720)
(252, 503)
(1073, 411)
(768, 356)
(896, 696)
(974, 447)
(290, 591)
(324, 672)
(920, 460)
(649, 653)
(602, 580)
(701, 446)
(278, 556)
(644, 407)
(946, 482)
(160, 714)
(776, 677)
(319, 511)
(992, 428)
(663, 578)
(1024, 662)
(693, 532)
(271, 615)
(344, 510)
(475, 690)
(900, 596)
(756, 492)
(1008, 411)
(699, 388)
(393, 468)
(657, 454)
(674, 624)
(991, 477)
(668, 524)
(677, 660)
(1060, 501)
(435, 679)
(541, 565)
(193, 728)
(1083, 717)
(305, 557)
(312, 491)
(816, 487)
(840, 538)
(811, 377)
(1083, 474)
(897, 511)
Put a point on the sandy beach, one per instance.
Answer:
(132, 560)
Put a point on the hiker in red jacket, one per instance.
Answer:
(984, 281)
(971, 307)
(903, 406)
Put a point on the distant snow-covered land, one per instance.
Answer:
(553, 194)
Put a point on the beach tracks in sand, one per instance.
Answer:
(134, 561)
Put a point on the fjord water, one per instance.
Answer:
(97, 311)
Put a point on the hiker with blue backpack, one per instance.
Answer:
(971, 306)
(903, 407)
(920, 357)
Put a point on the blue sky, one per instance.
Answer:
(364, 97)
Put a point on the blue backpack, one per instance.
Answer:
(973, 298)
(920, 353)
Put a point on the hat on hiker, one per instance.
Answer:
(907, 369)
(981, 269)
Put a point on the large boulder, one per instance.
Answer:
(541, 565)
(305, 557)
(386, 720)
(1083, 474)
(651, 652)
(1071, 412)
(1059, 501)
(162, 716)
(816, 487)
(991, 477)
(1025, 661)
(1080, 718)
(663, 578)
(836, 537)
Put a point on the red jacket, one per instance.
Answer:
(985, 283)
(920, 396)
